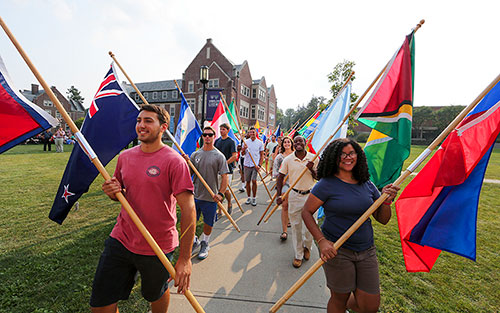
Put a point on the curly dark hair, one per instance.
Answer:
(282, 147)
(330, 159)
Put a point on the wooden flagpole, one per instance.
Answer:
(176, 144)
(242, 140)
(384, 196)
(291, 128)
(327, 140)
(235, 199)
(307, 120)
(97, 163)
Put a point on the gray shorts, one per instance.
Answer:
(250, 173)
(350, 270)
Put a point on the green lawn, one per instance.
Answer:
(45, 267)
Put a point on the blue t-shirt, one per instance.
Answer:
(344, 203)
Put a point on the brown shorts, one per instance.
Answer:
(350, 270)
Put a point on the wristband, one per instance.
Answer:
(387, 202)
(220, 194)
(318, 241)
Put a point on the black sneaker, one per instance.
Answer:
(230, 210)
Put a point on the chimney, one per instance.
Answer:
(34, 89)
(209, 40)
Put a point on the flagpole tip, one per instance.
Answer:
(111, 54)
(422, 21)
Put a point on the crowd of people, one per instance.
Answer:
(59, 138)
(154, 177)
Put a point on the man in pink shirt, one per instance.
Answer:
(153, 178)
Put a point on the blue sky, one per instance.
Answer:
(294, 44)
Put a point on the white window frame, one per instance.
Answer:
(137, 97)
(155, 95)
(175, 94)
(244, 109)
(191, 102)
(213, 83)
(146, 96)
(164, 94)
(48, 103)
(191, 86)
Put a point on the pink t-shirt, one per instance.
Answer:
(151, 181)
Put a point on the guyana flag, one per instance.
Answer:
(388, 112)
(231, 116)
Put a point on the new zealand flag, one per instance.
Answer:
(108, 127)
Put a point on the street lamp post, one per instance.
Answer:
(204, 81)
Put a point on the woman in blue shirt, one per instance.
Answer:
(345, 191)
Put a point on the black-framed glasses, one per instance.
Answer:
(351, 155)
(207, 134)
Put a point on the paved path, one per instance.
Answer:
(249, 271)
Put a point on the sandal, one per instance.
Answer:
(283, 236)
(288, 225)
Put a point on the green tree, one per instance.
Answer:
(79, 122)
(421, 115)
(443, 117)
(337, 78)
(74, 94)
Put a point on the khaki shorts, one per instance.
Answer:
(250, 174)
(350, 270)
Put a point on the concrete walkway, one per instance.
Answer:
(249, 271)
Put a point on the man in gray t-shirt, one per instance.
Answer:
(211, 163)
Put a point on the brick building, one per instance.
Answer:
(162, 93)
(39, 97)
(254, 100)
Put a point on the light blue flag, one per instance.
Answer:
(188, 130)
(332, 118)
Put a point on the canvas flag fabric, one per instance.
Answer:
(109, 126)
(220, 118)
(20, 119)
(188, 130)
(234, 123)
(309, 122)
(333, 117)
(438, 209)
(277, 133)
(388, 112)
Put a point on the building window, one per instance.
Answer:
(244, 108)
(261, 113)
(49, 111)
(175, 94)
(58, 115)
(213, 83)
(191, 86)
(253, 112)
(245, 91)
(146, 96)
(172, 110)
(155, 95)
(164, 95)
(262, 95)
(137, 97)
(254, 93)
(48, 103)
(200, 100)
(191, 103)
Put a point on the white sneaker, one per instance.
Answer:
(254, 201)
(249, 200)
(196, 244)
(203, 250)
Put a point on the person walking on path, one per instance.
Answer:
(269, 151)
(153, 177)
(211, 163)
(59, 139)
(46, 139)
(227, 146)
(255, 147)
(285, 149)
(346, 192)
(292, 166)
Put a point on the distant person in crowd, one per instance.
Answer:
(292, 166)
(153, 177)
(271, 145)
(346, 192)
(241, 158)
(255, 147)
(47, 140)
(227, 146)
(59, 139)
(285, 149)
(211, 164)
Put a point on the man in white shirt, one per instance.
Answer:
(255, 147)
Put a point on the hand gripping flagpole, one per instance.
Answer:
(384, 196)
(242, 140)
(97, 163)
(326, 142)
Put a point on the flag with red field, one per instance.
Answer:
(438, 209)
(20, 119)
